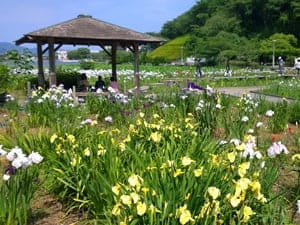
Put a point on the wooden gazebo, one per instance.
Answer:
(85, 30)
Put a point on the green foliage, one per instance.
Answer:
(251, 26)
(56, 104)
(294, 112)
(216, 23)
(4, 77)
(243, 17)
(221, 47)
(279, 120)
(21, 62)
(178, 160)
(183, 24)
(109, 107)
(18, 190)
(80, 53)
(87, 64)
(283, 44)
(284, 88)
(64, 75)
(124, 57)
(101, 56)
(172, 50)
(67, 77)
(16, 196)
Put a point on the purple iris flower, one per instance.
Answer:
(10, 170)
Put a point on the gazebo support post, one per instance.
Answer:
(114, 61)
(136, 80)
(52, 75)
(41, 77)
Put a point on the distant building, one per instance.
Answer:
(62, 55)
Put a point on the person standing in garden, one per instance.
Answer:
(198, 68)
(280, 65)
(228, 71)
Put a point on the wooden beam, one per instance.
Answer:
(104, 49)
(45, 50)
(130, 48)
(52, 75)
(41, 77)
(58, 47)
(136, 80)
(114, 61)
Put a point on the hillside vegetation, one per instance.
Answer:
(240, 30)
(171, 50)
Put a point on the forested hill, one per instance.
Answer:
(243, 17)
(241, 30)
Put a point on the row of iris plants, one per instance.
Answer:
(171, 157)
(288, 88)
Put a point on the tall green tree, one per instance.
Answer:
(5, 78)
(21, 62)
(281, 44)
(80, 53)
(244, 17)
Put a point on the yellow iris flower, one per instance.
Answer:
(156, 137)
(231, 157)
(243, 168)
(178, 172)
(141, 208)
(134, 180)
(53, 138)
(214, 192)
(247, 212)
(186, 161)
(198, 172)
(126, 200)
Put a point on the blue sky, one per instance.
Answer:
(19, 17)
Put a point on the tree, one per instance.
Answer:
(5, 78)
(219, 48)
(248, 17)
(216, 23)
(282, 44)
(22, 63)
(80, 53)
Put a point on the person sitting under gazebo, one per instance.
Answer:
(114, 84)
(100, 84)
(82, 82)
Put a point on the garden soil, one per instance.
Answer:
(47, 210)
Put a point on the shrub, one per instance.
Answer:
(66, 77)
(87, 65)
(294, 112)
(19, 183)
(4, 77)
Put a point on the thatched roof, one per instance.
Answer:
(86, 30)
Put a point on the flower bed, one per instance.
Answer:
(168, 158)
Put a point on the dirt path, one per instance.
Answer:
(252, 90)
(47, 210)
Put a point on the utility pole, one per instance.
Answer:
(181, 48)
(273, 57)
